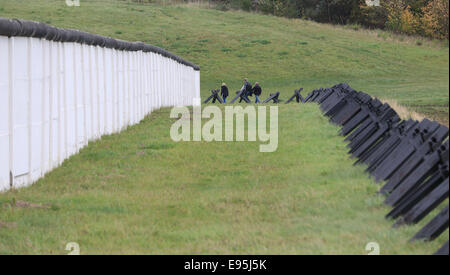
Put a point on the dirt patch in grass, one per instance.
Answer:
(433, 112)
(157, 146)
(436, 112)
(403, 111)
(7, 224)
(114, 176)
(25, 204)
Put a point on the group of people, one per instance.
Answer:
(246, 89)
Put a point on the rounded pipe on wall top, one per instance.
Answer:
(26, 28)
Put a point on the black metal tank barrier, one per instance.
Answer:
(297, 95)
(214, 96)
(375, 108)
(338, 105)
(402, 152)
(374, 126)
(408, 155)
(312, 96)
(309, 97)
(391, 139)
(363, 119)
(375, 138)
(334, 97)
(416, 195)
(340, 116)
(376, 129)
(417, 158)
(323, 95)
(354, 106)
(355, 121)
(437, 174)
(342, 103)
(242, 95)
(382, 155)
(344, 94)
(426, 205)
(319, 95)
(373, 129)
(420, 174)
(434, 228)
(273, 97)
(443, 250)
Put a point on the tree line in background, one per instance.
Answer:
(414, 17)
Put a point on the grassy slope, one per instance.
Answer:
(280, 53)
(139, 192)
(118, 197)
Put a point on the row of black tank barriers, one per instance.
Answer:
(410, 157)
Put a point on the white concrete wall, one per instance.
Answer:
(55, 97)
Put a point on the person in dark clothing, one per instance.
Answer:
(224, 92)
(257, 91)
(246, 88)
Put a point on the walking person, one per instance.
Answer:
(224, 92)
(257, 91)
(246, 89)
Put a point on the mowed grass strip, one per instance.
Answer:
(282, 54)
(140, 192)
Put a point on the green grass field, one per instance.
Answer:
(282, 54)
(140, 192)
